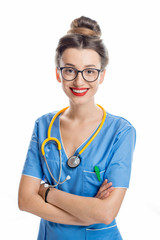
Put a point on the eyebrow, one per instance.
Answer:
(72, 65)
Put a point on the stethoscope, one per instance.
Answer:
(73, 161)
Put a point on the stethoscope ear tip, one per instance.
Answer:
(46, 185)
(68, 177)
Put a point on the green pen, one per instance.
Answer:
(96, 169)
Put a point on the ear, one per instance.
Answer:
(58, 75)
(102, 75)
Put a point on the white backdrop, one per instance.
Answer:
(29, 34)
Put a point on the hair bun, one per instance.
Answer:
(85, 26)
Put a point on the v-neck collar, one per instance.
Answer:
(78, 149)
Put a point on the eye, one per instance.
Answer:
(69, 71)
(90, 71)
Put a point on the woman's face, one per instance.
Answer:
(80, 59)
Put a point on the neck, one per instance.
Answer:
(83, 112)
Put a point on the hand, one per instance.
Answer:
(105, 190)
(42, 191)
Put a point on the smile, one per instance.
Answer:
(79, 91)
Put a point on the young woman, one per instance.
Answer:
(82, 152)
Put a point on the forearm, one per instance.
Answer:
(37, 206)
(85, 208)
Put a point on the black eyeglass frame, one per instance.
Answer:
(78, 71)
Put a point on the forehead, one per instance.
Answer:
(80, 57)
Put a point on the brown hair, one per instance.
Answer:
(84, 33)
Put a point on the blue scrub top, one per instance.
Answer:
(111, 150)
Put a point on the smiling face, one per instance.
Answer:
(80, 91)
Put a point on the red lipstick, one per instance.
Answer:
(79, 91)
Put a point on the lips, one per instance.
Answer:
(79, 91)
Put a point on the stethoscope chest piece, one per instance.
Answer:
(74, 161)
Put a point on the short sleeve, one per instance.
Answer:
(120, 160)
(32, 166)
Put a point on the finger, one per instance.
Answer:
(106, 195)
(105, 187)
(100, 189)
(102, 194)
(108, 185)
(104, 182)
(109, 190)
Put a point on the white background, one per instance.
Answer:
(29, 34)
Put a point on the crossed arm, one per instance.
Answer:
(66, 208)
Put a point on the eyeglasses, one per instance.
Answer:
(88, 74)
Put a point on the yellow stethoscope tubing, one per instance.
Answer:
(103, 120)
(47, 140)
(53, 119)
(58, 142)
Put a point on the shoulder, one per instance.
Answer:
(47, 117)
(119, 123)
(42, 124)
(121, 130)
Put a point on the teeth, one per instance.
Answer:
(79, 91)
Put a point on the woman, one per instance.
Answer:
(95, 149)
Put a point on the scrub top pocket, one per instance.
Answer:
(91, 184)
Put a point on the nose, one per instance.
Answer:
(79, 79)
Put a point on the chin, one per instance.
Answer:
(80, 101)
